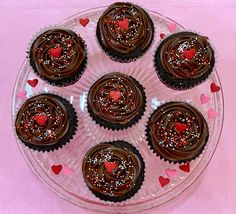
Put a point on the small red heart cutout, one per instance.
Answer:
(41, 119)
(189, 54)
(32, 82)
(55, 52)
(124, 23)
(180, 127)
(56, 169)
(115, 95)
(110, 166)
(162, 35)
(185, 167)
(163, 181)
(214, 87)
(84, 21)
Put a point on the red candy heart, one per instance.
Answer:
(115, 95)
(189, 54)
(185, 167)
(33, 82)
(124, 23)
(41, 119)
(84, 21)
(180, 127)
(163, 181)
(110, 166)
(214, 87)
(162, 35)
(55, 52)
(56, 169)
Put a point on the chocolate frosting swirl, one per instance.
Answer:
(66, 62)
(114, 184)
(122, 111)
(186, 55)
(125, 41)
(177, 132)
(43, 120)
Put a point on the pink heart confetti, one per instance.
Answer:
(172, 27)
(22, 95)
(212, 113)
(204, 99)
(171, 173)
(67, 171)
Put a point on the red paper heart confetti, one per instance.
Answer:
(189, 54)
(124, 23)
(33, 82)
(214, 87)
(84, 21)
(110, 166)
(41, 119)
(163, 181)
(204, 99)
(185, 167)
(22, 95)
(162, 35)
(56, 169)
(115, 95)
(55, 52)
(180, 127)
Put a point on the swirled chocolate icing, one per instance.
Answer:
(125, 29)
(113, 171)
(116, 100)
(44, 120)
(58, 55)
(177, 132)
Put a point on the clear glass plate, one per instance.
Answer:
(69, 183)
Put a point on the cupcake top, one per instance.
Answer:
(113, 171)
(58, 56)
(45, 121)
(126, 29)
(186, 58)
(116, 100)
(177, 132)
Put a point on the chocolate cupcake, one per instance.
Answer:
(125, 31)
(113, 171)
(46, 122)
(177, 132)
(116, 101)
(184, 60)
(58, 56)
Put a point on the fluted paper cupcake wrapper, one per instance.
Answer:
(149, 140)
(73, 120)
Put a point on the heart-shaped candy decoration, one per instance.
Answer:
(204, 99)
(189, 54)
(185, 167)
(180, 127)
(163, 181)
(41, 119)
(84, 21)
(212, 113)
(55, 52)
(33, 82)
(110, 166)
(171, 173)
(214, 87)
(172, 27)
(22, 95)
(124, 24)
(56, 169)
(115, 95)
(162, 35)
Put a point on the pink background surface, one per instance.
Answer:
(21, 192)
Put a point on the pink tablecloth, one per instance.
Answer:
(21, 192)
